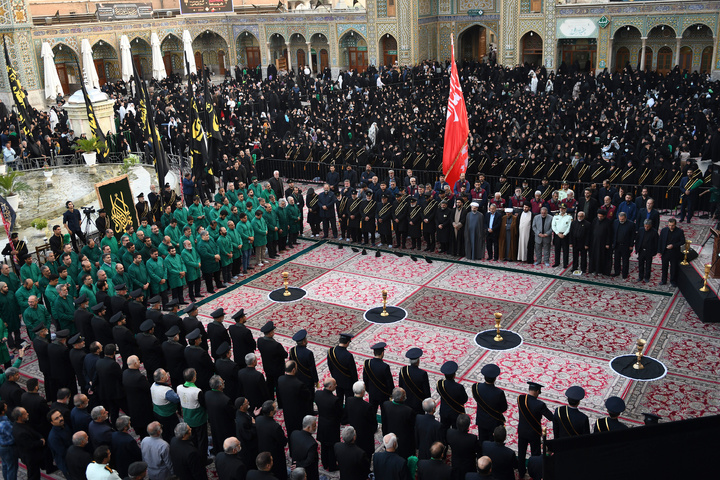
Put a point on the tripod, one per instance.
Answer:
(87, 221)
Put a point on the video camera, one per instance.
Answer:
(88, 210)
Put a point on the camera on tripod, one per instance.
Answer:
(88, 210)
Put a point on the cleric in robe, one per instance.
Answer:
(474, 233)
(508, 238)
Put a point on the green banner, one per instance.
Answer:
(116, 197)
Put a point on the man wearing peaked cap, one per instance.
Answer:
(169, 319)
(217, 333)
(124, 338)
(273, 356)
(531, 411)
(453, 395)
(414, 381)
(199, 359)
(341, 364)
(228, 370)
(119, 301)
(174, 354)
(60, 367)
(150, 350)
(569, 421)
(83, 319)
(190, 323)
(377, 377)
(305, 359)
(242, 338)
(102, 330)
(491, 403)
(615, 406)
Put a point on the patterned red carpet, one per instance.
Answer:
(571, 326)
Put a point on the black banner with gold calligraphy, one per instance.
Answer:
(95, 129)
(198, 138)
(116, 197)
(211, 127)
(21, 101)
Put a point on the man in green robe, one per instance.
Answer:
(64, 310)
(27, 290)
(210, 262)
(191, 259)
(10, 314)
(158, 275)
(29, 269)
(225, 249)
(260, 236)
(176, 273)
(273, 228)
(236, 242)
(34, 314)
(139, 275)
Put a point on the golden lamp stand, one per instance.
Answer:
(705, 288)
(285, 276)
(686, 251)
(498, 338)
(384, 297)
(639, 345)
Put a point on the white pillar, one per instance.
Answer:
(309, 56)
(289, 56)
(609, 55)
(642, 53)
(677, 50)
(269, 54)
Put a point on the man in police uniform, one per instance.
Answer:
(491, 403)
(217, 333)
(174, 353)
(305, 360)
(342, 367)
(569, 421)
(453, 395)
(414, 381)
(377, 377)
(190, 323)
(530, 423)
(273, 355)
(242, 338)
(199, 359)
(615, 406)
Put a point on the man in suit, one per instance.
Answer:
(580, 240)
(265, 465)
(252, 384)
(174, 353)
(216, 331)
(228, 370)
(109, 382)
(271, 438)
(330, 411)
(30, 443)
(273, 356)
(242, 339)
(388, 465)
(137, 390)
(465, 447)
(125, 449)
(672, 239)
(530, 423)
(414, 381)
(646, 247)
(493, 222)
(77, 457)
(588, 204)
(377, 377)
(569, 421)
(125, 339)
(353, 462)
(453, 395)
(341, 364)
(427, 429)
(188, 462)
(327, 201)
(362, 416)
(434, 468)
(491, 402)
(246, 432)
(648, 213)
(504, 460)
(150, 348)
(615, 406)
(304, 448)
(623, 244)
(294, 397)
(228, 463)
(399, 419)
(542, 228)
(221, 412)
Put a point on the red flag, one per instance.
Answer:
(455, 151)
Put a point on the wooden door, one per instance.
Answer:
(300, 58)
(664, 60)
(482, 44)
(621, 58)
(100, 68)
(198, 60)
(686, 58)
(706, 60)
(221, 62)
(323, 59)
(138, 65)
(62, 74)
(252, 54)
(167, 60)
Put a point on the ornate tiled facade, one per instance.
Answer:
(421, 29)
